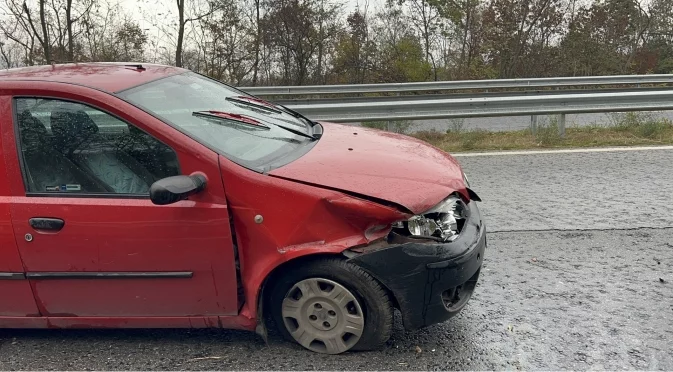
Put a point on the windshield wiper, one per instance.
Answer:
(229, 117)
(297, 132)
(297, 115)
(255, 102)
(246, 121)
(266, 105)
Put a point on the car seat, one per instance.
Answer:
(47, 169)
(77, 136)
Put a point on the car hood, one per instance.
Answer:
(378, 164)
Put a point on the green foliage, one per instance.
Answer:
(354, 52)
(641, 124)
(297, 42)
(404, 61)
(547, 133)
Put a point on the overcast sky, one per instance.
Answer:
(152, 14)
(145, 11)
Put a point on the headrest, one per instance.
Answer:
(71, 129)
(33, 132)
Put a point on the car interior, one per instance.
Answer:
(73, 155)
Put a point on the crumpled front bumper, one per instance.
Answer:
(431, 281)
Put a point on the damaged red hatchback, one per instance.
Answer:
(150, 196)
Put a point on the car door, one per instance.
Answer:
(16, 297)
(91, 241)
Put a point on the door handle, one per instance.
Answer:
(42, 223)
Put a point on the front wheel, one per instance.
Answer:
(331, 306)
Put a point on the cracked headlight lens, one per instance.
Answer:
(444, 221)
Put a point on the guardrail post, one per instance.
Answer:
(533, 124)
(390, 123)
(561, 125)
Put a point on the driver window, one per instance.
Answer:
(69, 147)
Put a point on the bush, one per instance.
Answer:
(653, 129)
(641, 124)
(547, 133)
(624, 121)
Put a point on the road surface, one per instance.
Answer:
(578, 275)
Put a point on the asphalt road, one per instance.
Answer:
(578, 275)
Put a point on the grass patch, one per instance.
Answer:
(398, 126)
(626, 130)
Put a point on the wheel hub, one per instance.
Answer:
(323, 316)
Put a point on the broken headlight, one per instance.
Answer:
(443, 222)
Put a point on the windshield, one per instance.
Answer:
(179, 99)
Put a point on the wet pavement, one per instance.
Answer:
(578, 275)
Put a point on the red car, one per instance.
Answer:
(151, 196)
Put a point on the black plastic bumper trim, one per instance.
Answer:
(417, 273)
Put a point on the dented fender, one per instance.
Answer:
(278, 220)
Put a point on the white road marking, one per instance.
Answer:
(562, 151)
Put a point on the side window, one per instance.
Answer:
(69, 147)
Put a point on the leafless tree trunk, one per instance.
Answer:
(255, 66)
(181, 32)
(5, 56)
(68, 24)
(44, 38)
(45, 34)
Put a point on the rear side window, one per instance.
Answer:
(68, 147)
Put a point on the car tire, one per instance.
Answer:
(336, 294)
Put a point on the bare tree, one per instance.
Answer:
(17, 30)
(212, 6)
(43, 36)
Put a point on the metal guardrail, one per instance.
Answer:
(590, 102)
(461, 85)
(294, 101)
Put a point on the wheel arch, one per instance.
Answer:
(289, 264)
(278, 270)
(264, 287)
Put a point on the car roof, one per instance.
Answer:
(109, 77)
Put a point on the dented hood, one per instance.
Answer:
(378, 164)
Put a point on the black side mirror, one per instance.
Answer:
(172, 189)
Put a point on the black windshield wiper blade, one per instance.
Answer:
(297, 132)
(255, 102)
(246, 121)
(266, 105)
(229, 117)
(296, 114)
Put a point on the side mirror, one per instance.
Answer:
(172, 189)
